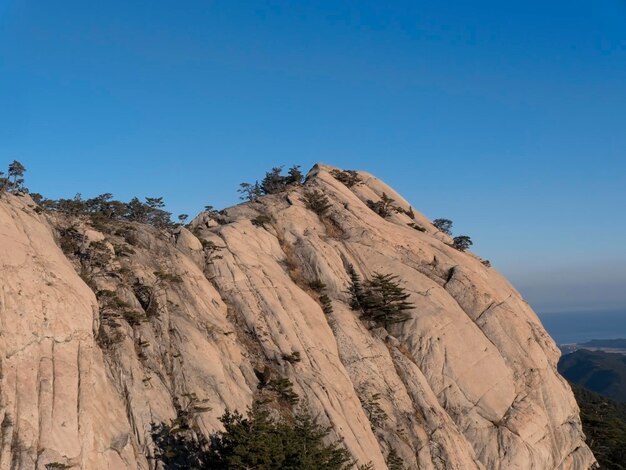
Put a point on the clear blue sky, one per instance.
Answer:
(507, 117)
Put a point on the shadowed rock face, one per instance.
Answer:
(469, 381)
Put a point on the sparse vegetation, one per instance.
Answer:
(462, 242)
(374, 411)
(316, 201)
(281, 385)
(250, 192)
(320, 289)
(384, 207)
(394, 461)
(347, 177)
(14, 179)
(274, 182)
(327, 305)
(254, 441)
(102, 209)
(284, 387)
(443, 225)
(293, 357)
(261, 220)
(381, 299)
(167, 277)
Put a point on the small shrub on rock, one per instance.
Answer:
(316, 201)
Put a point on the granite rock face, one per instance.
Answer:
(469, 381)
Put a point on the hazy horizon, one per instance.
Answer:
(485, 114)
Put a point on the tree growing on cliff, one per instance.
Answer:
(16, 171)
(250, 192)
(294, 175)
(381, 299)
(274, 182)
(316, 201)
(443, 225)
(462, 242)
(384, 207)
(254, 441)
(14, 180)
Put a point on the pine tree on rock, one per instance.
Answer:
(386, 302)
(380, 299)
(355, 289)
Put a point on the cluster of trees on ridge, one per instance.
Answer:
(257, 440)
(152, 209)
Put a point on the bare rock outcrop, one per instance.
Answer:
(106, 331)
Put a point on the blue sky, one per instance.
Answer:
(507, 117)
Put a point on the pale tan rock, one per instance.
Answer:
(468, 382)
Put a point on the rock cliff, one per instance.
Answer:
(469, 381)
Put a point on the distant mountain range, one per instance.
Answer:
(598, 379)
(599, 371)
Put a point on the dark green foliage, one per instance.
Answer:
(462, 242)
(16, 176)
(410, 213)
(281, 385)
(250, 192)
(264, 376)
(261, 220)
(284, 387)
(102, 209)
(374, 411)
(179, 449)
(14, 179)
(347, 177)
(182, 218)
(210, 210)
(180, 445)
(355, 289)
(70, 241)
(255, 441)
(443, 225)
(317, 285)
(293, 357)
(320, 288)
(486, 263)
(327, 305)
(113, 308)
(604, 425)
(381, 299)
(394, 462)
(384, 207)
(316, 201)
(294, 175)
(274, 182)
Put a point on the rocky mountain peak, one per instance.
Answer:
(110, 327)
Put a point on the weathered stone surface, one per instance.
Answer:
(469, 381)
